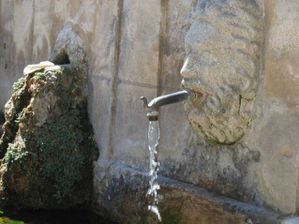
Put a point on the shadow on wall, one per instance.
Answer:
(12, 62)
(2, 120)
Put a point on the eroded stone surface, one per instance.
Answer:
(219, 168)
(292, 220)
(223, 47)
(47, 147)
(139, 23)
(122, 191)
(29, 30)
(2, 120)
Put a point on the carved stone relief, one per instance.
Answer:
(222, 65)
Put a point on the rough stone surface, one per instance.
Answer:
(218, 168)
(69, 49)
(139, 23)
(293, 220)
(137, 48)
(14, 47)
(274, 133)
(282, 49)
(125, 125)
(122, 191)
(277, 141)
(174, 26)
(2, 120)
(223, 47)
(47, 148)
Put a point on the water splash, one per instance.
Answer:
(153, 142)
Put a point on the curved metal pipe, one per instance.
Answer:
(152, 108)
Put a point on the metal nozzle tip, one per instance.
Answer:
(153, 118)
(144, 99)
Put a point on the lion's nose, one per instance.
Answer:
(188, 71)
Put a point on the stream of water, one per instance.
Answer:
(153, 142)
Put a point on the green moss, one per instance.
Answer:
(58, 143)
(15, 153)
(18, 84)
(172, 219)
(5, 220)
(168, 217)
(39, 75)
(51, 161)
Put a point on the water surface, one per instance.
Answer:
(51, 217)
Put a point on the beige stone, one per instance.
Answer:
(287, 151)
(174, 25)
(181, 203)
(99, 104)
(224, 46)
(7, 51)
(37, 67)
(173, 120)
(130, 129)
(104, 39)
(281, 64)
(278, 166)
(46, 25)
(137, 48)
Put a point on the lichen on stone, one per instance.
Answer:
(224, 47)
(47, 145)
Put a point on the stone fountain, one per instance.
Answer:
(230, 154)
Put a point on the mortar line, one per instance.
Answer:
(162, 43)
(115, 79)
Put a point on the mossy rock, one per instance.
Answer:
(47, 144)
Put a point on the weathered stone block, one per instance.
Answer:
(47, 21)
(120, 189)
(173, 123)
(99, 99)
(7, 52)
(222, 67)
(130, 129)
(175, 23)
(46, 148)
(104, 40)
(281, 60)
(139, 50)
(278, 168)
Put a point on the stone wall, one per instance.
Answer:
(137, 48)
(277, 129)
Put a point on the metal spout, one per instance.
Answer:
(152, 108)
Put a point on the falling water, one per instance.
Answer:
(153, 142)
